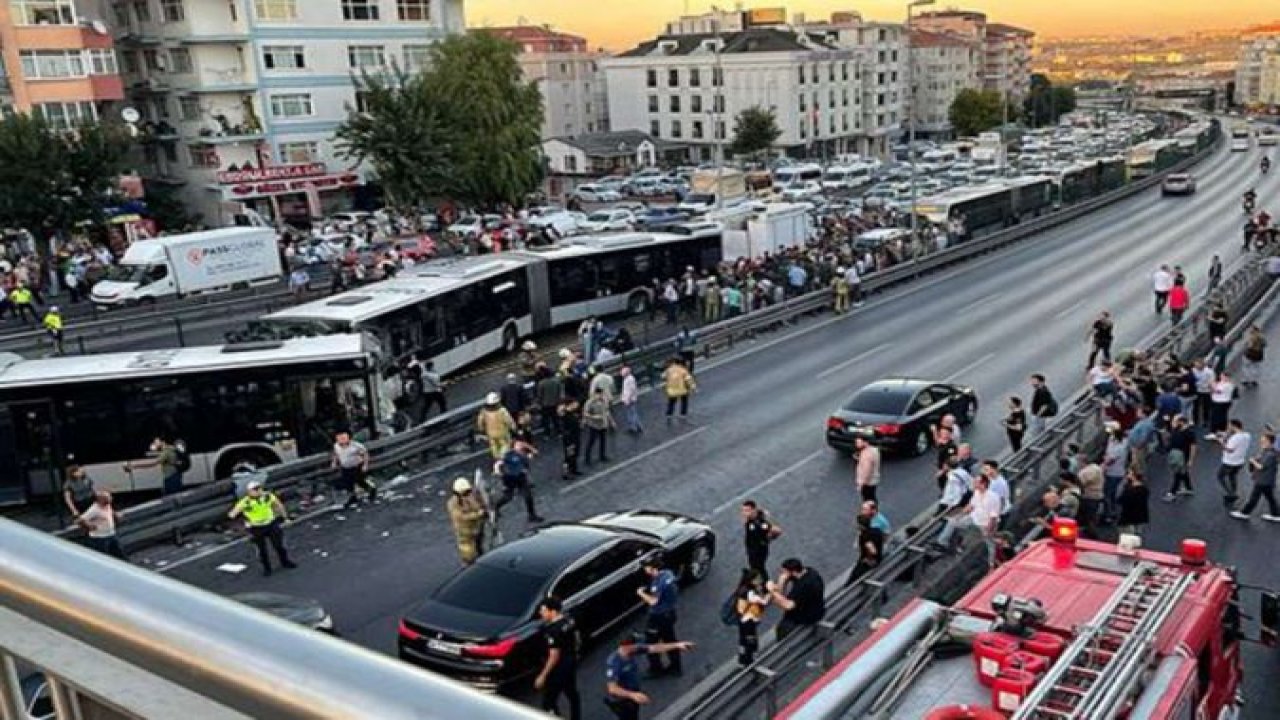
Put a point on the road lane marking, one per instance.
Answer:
(630, 461)
(984, 359)
(736, 499)
(837, 368)
(979, 302)
(1069, 309)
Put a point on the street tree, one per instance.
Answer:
(1046, 102)
(755, 130)
(976, 111)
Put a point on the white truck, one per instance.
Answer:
(179, 265)
(712, 188)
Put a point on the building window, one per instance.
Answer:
(695, 77)
(651, 79)
(68, 115)
(417, 57)
(130, 60)
(673, 78)
(180, 61)
(43, 12)
(142, 11)
(844, 71)
(804, 105)
(362, 101)
(359, 9)
(717, 77)
(653, 104)
(204, 157)
(695, 104)
(655, 128)
(284, 57)
(674, 104)
(151, 60)
(367, 57)
(102, 62)
(189, 108)
(276, 9)
(159, 109)
(801, 74)
(695, 131)
(297, 153)
(720, 133)
(719, 103)
(172, 11)
(414, 10)
(52, 63)
(831, 99)
(814, 73)
(675, 129)
(831, 72)
(291, 105)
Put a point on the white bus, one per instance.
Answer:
(847, 177)
(788, 175)
(264, 403)
(459, 311)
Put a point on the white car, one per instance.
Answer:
(1240, 145)
(565, 222)
(609, 220)
(596, 194)
(804, 190)
(1268, 139)
(473, 225)
(350, 220)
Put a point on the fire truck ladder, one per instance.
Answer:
(1099, 671)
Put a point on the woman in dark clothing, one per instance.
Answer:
(1015, 423)
(1134, 503)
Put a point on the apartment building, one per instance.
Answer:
(1258, 72)
(943, 64)
(568, 74)
(240, 99)
(1006, 50)
(58, 61)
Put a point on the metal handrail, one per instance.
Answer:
(188, 638)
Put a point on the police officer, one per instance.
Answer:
(559, 674)
(21, 298)
(53, 326)
(660, 625)
(264, 514)
(759, 531)
(622, 672)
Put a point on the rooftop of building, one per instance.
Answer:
(542, 35)
(752, 40)
(1003, 29)
(618, 143)
(928, 38)
(973, 15)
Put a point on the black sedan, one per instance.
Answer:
(896, 414)
(481, 626)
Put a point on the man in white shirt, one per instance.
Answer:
(957, 485)
(99, 521)
(1235, 453)
(1161, 284)
(852, 277)
(999, 486)
(982, 514)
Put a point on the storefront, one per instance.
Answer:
(296, 194)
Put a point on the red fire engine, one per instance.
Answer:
(1069, 629)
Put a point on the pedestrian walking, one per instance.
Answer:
(1235, 452)
(1181, 457)
(351, 459)
(511, 395)
(1263, 470)
(1135, 504)
(1215, 273)
(513, 468)
(1043, 404)
(660, 594)
(497, 424)
(873, 530)
(52, 324)
(840, 292)
(866, 473)
(678, 384)
(759, 531)
(1179, 301)
(1101, 335)
(801, 593)
(264, 516)
(1143, 437)
(598, 421)
(548, 391)
(1161, 284)
(750, 600)
(467, 514)
(622, 674)
(1218, 319)
(1255, 347)
(559, 674)
(1015, 422)
(1222, 393)
(99, 521)
(1204, 378)
(630, 398)
(570, 417)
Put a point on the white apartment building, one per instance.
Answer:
(568, 75)
(1258, 73)
(943, 64)
(240, 99)
(1006, 50)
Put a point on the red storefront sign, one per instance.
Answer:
(247, 190)
(272, 173)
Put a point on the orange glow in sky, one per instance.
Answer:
(618, 24)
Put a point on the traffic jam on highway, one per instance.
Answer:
(640, 511)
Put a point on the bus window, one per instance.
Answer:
(434, 338)
(34, 443)
(402, 332)
(572, 280)
(93, 425)
(611, 282)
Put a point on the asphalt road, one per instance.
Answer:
(756, 429)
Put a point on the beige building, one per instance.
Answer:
(1006, 50)
(568, 74)
(1258, 72)
(943, 65)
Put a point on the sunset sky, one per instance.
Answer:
(618, 24)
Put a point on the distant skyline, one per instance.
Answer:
(619, 25)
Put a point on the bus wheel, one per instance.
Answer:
(509, 339)
(257, 457)
(638, 303)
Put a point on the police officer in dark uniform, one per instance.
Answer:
(759, 530)
(622, 672)
(660, 625)
(559, 674)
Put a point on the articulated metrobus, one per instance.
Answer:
(458, 311)
(264, 403)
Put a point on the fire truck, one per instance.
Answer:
(1069, 629)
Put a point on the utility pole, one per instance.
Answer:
(717, 98)
(911, 111)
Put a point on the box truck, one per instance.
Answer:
(179, 265)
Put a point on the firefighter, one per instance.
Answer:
(496, 424)
(264, 515)
(467, 512)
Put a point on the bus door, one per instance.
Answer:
(34, 452)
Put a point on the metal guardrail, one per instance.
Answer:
(169, 518)
(105, 634)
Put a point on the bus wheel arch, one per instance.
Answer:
(259, 456)
(638, 302)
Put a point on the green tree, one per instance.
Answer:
(975, 111)
(402, 134)
(1046, 102)
(755, 130)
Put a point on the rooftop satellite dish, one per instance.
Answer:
(130, 115)
(99, 27)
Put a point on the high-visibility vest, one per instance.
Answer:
(53, 321)
(258, 511)
(20, 296)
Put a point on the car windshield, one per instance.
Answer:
(493, 591)
(600, 217)
(875, 401)
(127, 273)
(701, 199)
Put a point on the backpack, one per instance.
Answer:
(729, 610)
(182, 457)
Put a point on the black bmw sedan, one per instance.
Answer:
(896, 413)
(481, 626)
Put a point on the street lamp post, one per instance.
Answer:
(717, 98)
(911, 110)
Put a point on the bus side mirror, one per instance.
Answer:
(1269, 618)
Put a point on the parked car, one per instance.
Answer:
(609, 220)
(1178, 184)
(664, 215)
(896, 413)
(800, 191)
(418, 248)
(593, 193)
(481, 625)
(565, 222)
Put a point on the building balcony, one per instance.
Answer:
(150, 85)
(235, 137)
(229, 38)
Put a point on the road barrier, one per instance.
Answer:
(170, 518)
